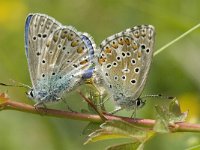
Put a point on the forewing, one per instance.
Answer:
(68, 54)
(38, 28)
(125, 60)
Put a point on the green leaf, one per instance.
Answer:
(175, 112)
(85, 111)
(125, 128)
(93, 97)
(168, 115)
(127, 146)
(161, 124)
(101, 134)
(119, 129)
(91, 127)
(197, 147)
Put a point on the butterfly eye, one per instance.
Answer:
(139, 103)
(30, 94)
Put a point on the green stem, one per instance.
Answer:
(175, 40)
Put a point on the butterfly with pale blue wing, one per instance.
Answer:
(123, 65)
(58, 56)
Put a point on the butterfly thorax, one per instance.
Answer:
(50, 89)
(43, 96)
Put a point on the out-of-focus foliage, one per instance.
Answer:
(174, 72)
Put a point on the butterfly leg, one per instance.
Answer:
(133, 115)
(117, 109)
(39, 105)
(68, 107)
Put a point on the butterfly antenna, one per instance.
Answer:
(158, 96)
(16, 84)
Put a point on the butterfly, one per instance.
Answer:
(123, 65)
(59, 57)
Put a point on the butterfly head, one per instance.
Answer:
(128, 102)
(30, 94)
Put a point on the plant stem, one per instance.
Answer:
(7, 104)
(175, 40)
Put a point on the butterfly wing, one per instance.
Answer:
(125, 60)
(67, 57)
(38, 28)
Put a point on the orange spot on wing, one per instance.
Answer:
(80, 50)
(102, 60)
(107, 50)
(84, 62)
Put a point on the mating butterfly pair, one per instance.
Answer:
(60, 58)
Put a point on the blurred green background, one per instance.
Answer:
(174, 72)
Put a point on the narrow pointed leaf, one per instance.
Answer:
(119, 129)
(91, 127)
